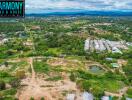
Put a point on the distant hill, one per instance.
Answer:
(83, 13)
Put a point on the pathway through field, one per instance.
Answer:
(32, 87)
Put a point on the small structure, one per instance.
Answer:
(87, 44)
(35, 28)
(121, 62)
(115, 65)
(105, 98)
(2, 41)
(96, 44)
(101, 45)
(22, 35)
(116, 50)
(62, 55)
(28, 43)
(87, 96)
(70, 97)
(129, 43)
(128, 98)
(109, 59)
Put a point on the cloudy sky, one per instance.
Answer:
(33, 6)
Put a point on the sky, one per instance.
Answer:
(44, 6)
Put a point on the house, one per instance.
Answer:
(35, 28)
(122, 62)
(129, 43)
(105, 98)
(2, 41)
(115, 65)
(22, 35)
(128, 98)
(109, 59)
(70, 97)
(116, 50)
(87, 45)
(101, 45)
(96, 45)
(87, 96)
(28, 43)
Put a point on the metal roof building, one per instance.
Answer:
(87, 96)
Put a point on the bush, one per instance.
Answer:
(31, 98)
(2, 85)
(129, 93)
(83, 85)
(72, 77)
(42, 98)
(20, 74)
(1, 95)
(97, 91)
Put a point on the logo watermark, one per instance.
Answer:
(12, 8)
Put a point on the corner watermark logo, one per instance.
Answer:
(12, 8)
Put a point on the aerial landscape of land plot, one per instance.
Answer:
(66, 58)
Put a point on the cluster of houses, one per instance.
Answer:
(88, 96)
(84, 96)
(96, 24)
(102, 45)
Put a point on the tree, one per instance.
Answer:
(2, 85)
(86, 85)
(72, 77)
(6, 64)
(97, 91)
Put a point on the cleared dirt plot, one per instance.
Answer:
(14, 65)
(47, 86)
(66, 64)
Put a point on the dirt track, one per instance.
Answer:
(32, 88)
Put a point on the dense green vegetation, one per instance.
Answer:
(71, 45)
(129, 93)
(11, 27)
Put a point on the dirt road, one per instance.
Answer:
(32, 88)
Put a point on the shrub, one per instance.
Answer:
(42, 98)
(83, 85)
(1, 95)
(2, 85)
(72, 77)
(20, 74)
(97, 91)
(31, 98)
(129, 93)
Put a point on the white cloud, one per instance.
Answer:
(32, 5)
